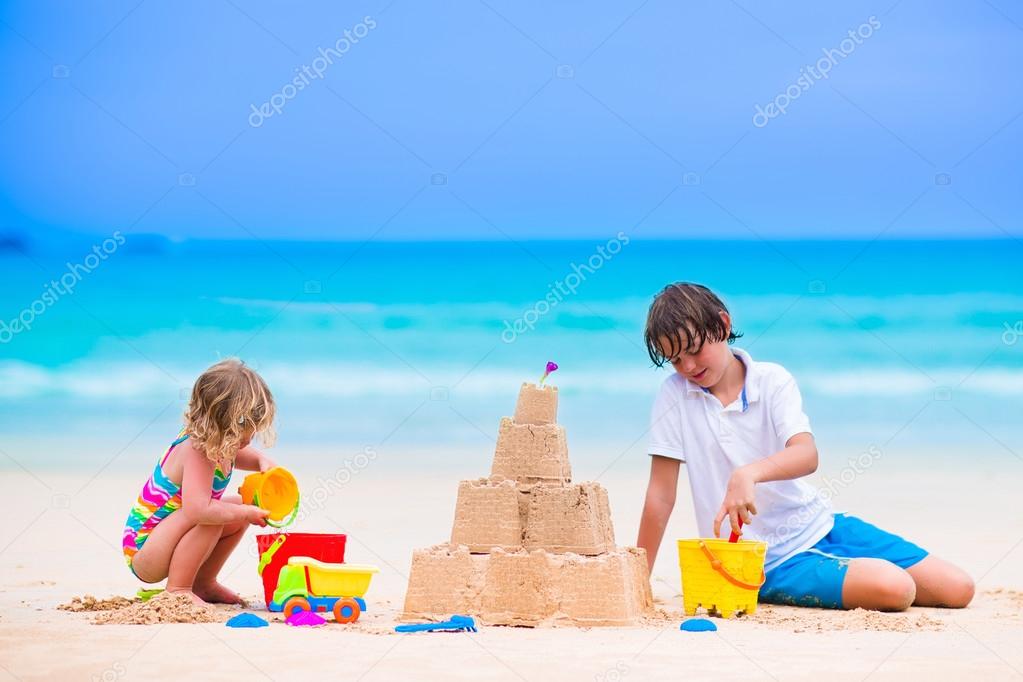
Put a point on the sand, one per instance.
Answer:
(857, 620)
(536, 404)
(1008, 602)
(528, 588)
(967, 515)
(570, 518)
(90, 603)
(531, 553)
(518, 442)
(165, 607)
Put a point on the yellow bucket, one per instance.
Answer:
(723, 577)
(274, 490)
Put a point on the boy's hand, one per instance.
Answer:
(738, 502)
(255, 515)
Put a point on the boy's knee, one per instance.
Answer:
(958, 592)
(896, 592)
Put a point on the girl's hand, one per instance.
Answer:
(738, 502)
(265, 463)
(255, 515)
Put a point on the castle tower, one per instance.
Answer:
(527, 545)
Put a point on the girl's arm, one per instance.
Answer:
(660, 500)
(251, 459)
(197, 503)
(798, 459)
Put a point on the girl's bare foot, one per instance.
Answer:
(196, 599)
(215, 593)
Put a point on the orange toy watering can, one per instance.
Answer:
(274, 490)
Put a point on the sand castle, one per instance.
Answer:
(528, 546)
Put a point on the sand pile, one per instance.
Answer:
(529, 547)
(90, 603)
(856, 620)
(166, 607)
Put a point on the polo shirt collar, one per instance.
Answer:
(750, 388)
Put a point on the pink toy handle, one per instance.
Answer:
(551, 367)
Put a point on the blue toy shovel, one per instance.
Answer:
(453, 624)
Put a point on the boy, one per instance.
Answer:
(739, 426)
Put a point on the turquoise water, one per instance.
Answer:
(405, 346)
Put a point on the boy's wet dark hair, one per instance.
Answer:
(687, 315)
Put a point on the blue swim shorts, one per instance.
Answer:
(814, 577)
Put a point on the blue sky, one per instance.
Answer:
(496, 119)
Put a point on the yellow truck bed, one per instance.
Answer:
(335, 580)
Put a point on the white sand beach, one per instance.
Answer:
(395, 213)
(63, 531)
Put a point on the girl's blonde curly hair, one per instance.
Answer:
(230, 404)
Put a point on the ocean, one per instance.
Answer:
(416, 349)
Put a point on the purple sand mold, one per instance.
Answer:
(306, 618)
(246, 620)
(698, 625)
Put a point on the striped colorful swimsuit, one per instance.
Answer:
(160, 497)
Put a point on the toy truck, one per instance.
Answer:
(306, 584)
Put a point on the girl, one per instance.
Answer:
(183, 527)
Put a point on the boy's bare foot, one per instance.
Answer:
(215, 593)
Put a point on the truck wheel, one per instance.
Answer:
(294, 605)
(346, 610)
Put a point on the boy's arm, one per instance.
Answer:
(251, 459)
(660, 500)
(798, 459)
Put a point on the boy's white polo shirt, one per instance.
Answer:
(689, 424)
